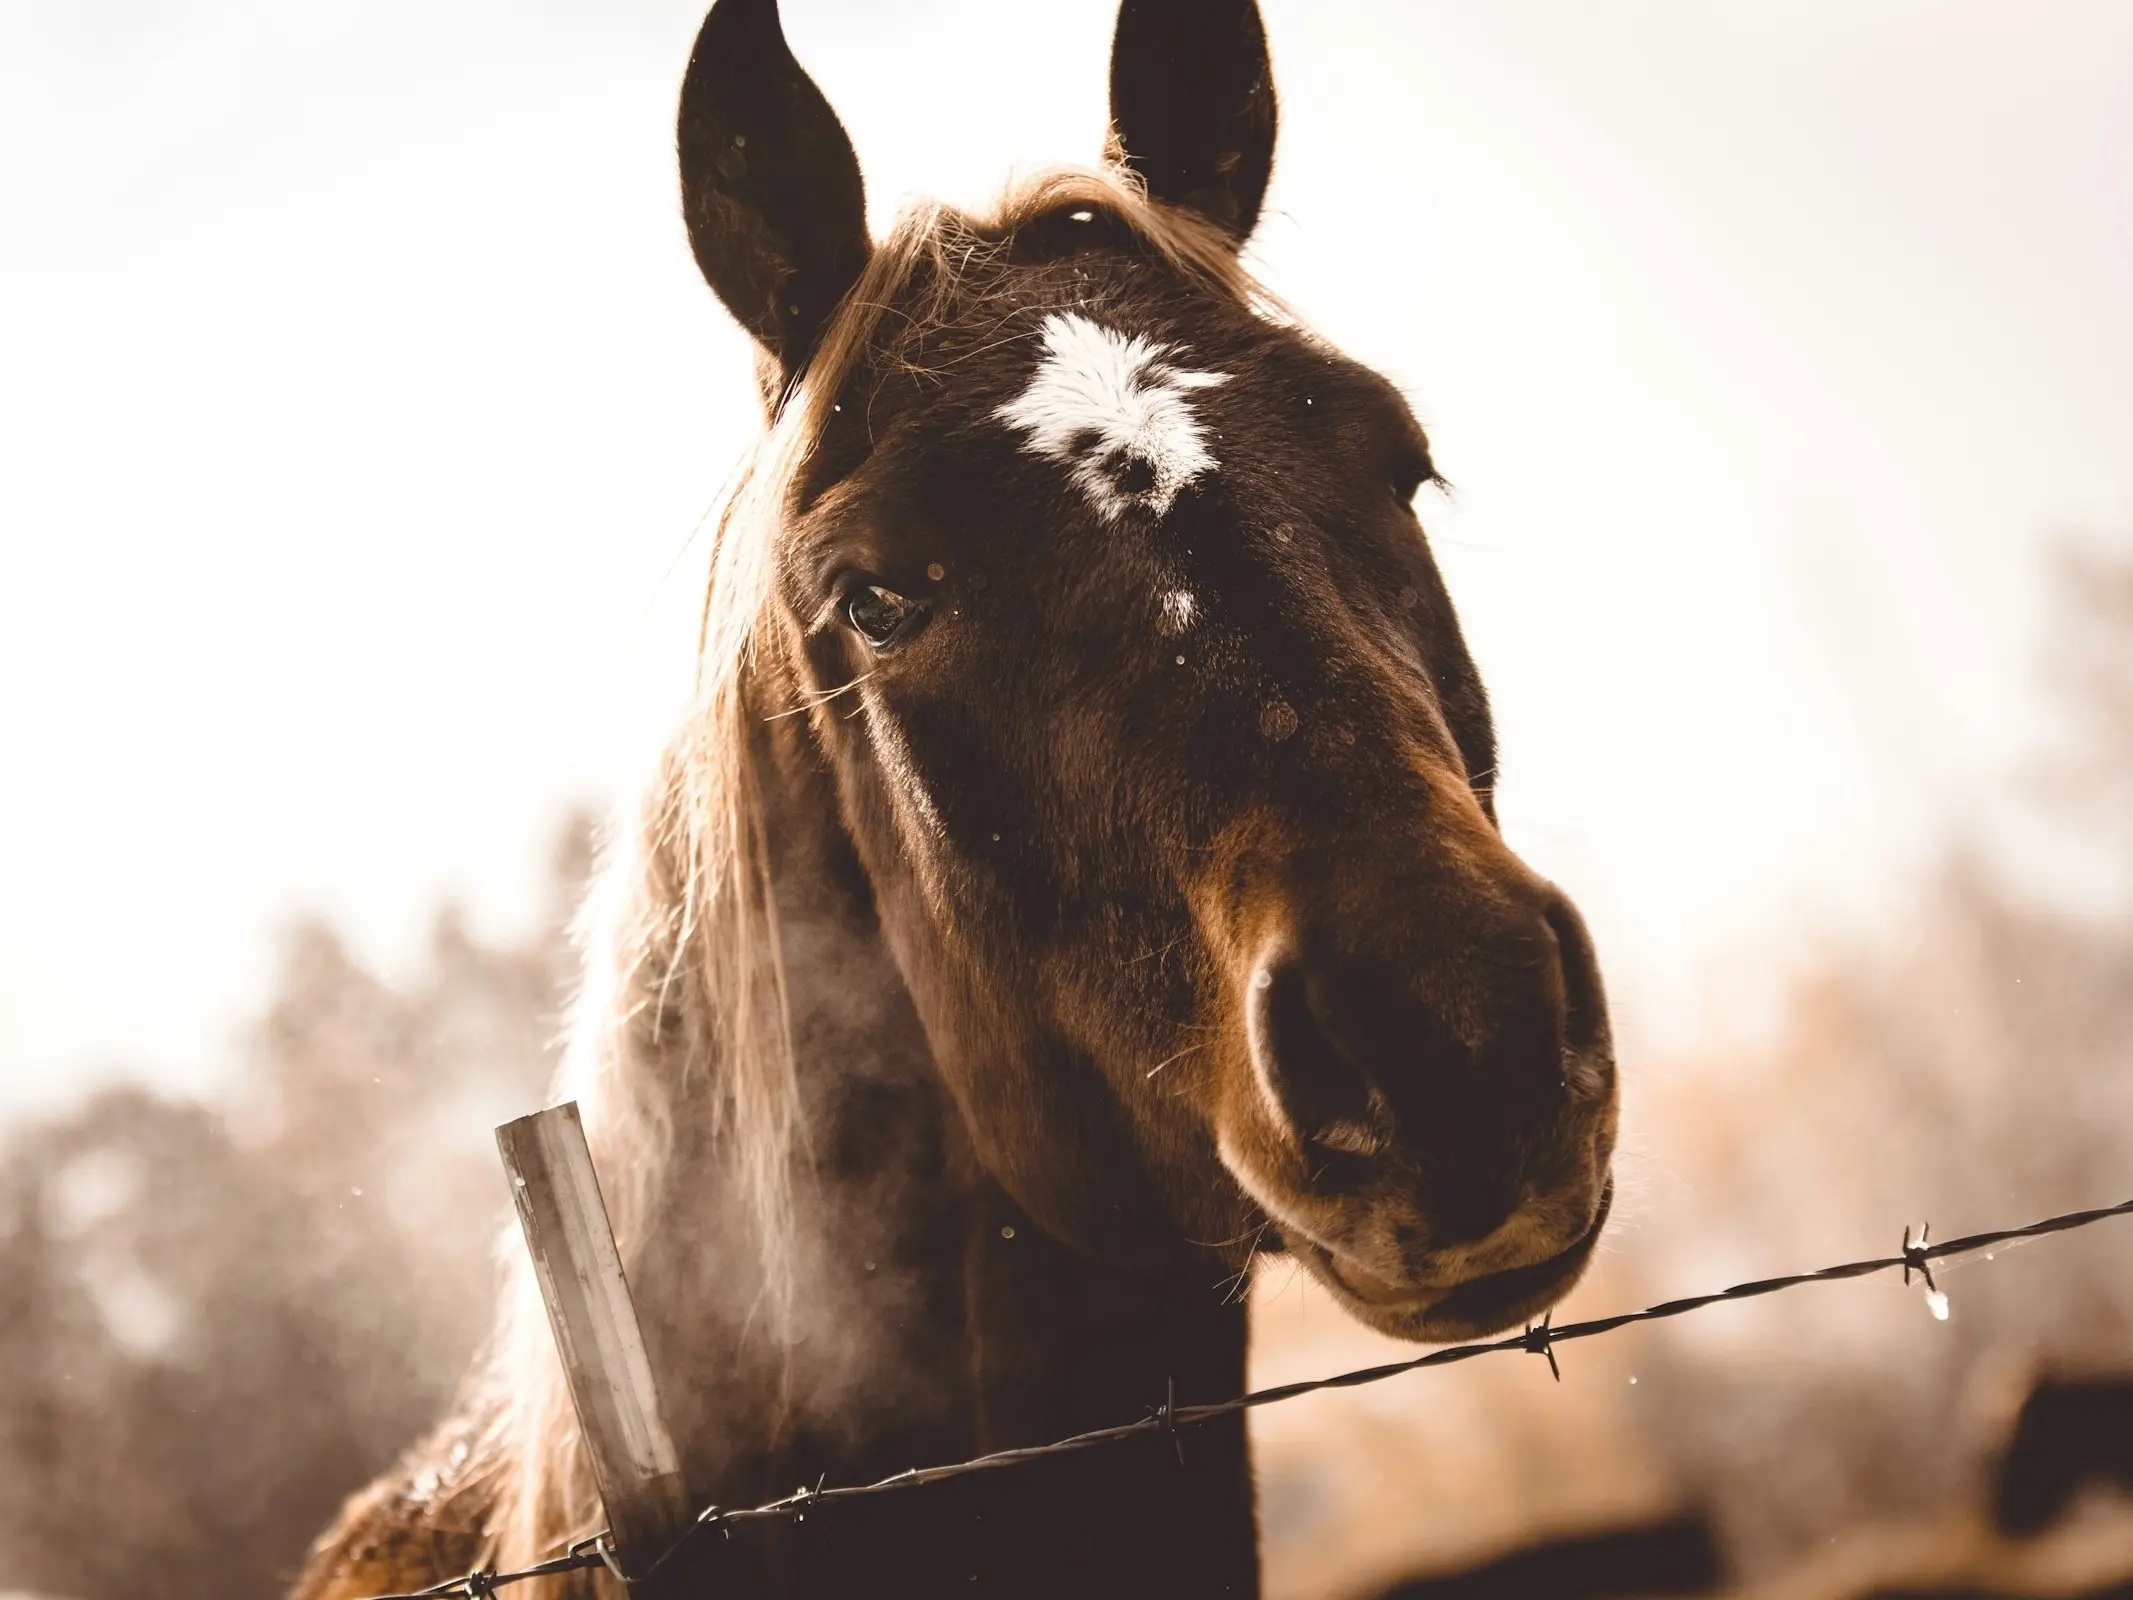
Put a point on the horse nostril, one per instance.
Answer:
(1321, 1093)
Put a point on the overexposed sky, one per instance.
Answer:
(359, 403)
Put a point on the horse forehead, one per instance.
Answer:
(1118, 410)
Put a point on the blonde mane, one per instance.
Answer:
(683, 1011)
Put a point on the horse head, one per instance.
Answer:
(1099, 597)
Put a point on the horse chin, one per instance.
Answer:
(1474, 1309)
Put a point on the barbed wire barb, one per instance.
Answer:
(1540, 1341)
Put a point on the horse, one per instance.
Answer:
(1077, 875)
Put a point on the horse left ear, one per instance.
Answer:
(770, 188)
(1192, 105)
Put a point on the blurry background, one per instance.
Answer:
(360, 407)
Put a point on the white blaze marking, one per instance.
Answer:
(1102, 402)
(1178, 608)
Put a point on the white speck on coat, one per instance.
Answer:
(1179, 607)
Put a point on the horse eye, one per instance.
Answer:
(880, 616)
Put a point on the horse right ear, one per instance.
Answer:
(770, 188)
(1192, 105)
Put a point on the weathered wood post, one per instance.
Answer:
(596, 1333)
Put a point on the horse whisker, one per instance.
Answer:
(1237, 1284)
(1151, 955)
(822, 697)
(1181, 1055)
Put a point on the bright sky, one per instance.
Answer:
(359, 403)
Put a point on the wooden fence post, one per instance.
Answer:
(596, 1333)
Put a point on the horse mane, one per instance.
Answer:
(683, 1010)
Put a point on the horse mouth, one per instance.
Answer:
(1471, 1310)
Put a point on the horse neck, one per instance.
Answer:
(929, 1318)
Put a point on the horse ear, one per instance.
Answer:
(1192, 105)
(770, 188)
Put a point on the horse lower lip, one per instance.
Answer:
(1500, 1288)
(1496, 1288)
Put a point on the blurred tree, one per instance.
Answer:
(216, 1320)
(2091, 663)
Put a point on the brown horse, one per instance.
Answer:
(1079, 874)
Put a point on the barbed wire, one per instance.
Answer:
(1541, 1339)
